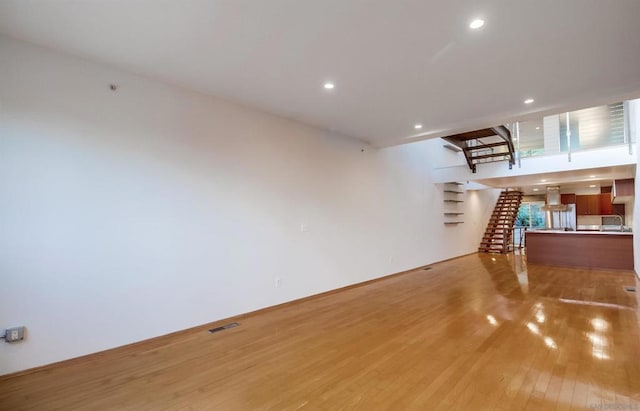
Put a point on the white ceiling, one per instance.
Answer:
(394, 63)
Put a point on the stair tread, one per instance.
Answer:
(485, 146)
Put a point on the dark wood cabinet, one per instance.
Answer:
(623, 191)
(624, 187)
(567, 198)
(593, 202)
(612, 251)
(606, 207)
(581, 205)
(589, 205)
(598, 204)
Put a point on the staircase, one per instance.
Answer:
(487, 145)
(497, 237)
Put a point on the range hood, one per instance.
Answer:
(553, 202)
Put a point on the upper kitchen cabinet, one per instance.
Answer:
(567, 198)
(588, 205)
(606, 208)
(622, 191)
(594, 204)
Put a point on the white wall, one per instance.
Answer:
(634, 131)
(130, 214)
(635, 226)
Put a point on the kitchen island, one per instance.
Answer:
(590, 249)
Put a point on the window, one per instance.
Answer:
(593, 127)
(530, 216)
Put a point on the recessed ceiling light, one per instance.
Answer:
(476, 24)
(529, 101)
(329, 86)
(592, 186)
(536, 189)
(537, 128)
(418, 126)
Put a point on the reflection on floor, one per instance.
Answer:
(481, 332)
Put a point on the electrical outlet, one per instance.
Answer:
(14, 334)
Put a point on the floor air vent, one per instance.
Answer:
(224, 327)
(630, 289)
(426, 269)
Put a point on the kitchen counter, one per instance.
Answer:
(590, 249)
(588, 232)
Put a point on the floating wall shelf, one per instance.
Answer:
(452, 191)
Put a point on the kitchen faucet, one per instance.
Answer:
(621, 220)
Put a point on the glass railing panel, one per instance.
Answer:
(593, 127)
(530, 138)
(587, 129)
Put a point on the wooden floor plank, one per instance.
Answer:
(482, 332)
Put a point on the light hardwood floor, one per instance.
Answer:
(482, 332)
